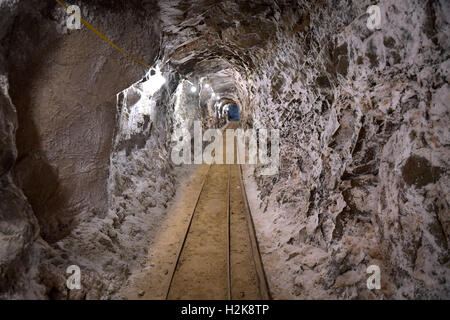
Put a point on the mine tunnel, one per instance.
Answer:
(224, 149)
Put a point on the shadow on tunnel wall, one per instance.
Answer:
(64, 88)
(32, 171)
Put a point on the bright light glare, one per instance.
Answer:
(206, 85)
(193, 89)
(154, 82)
(213, 94)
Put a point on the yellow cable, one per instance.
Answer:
(101, 35)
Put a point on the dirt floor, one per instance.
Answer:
(153, 281)
(202, 269)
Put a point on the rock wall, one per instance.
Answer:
(364, 179)
(59, 91)
(18, 225)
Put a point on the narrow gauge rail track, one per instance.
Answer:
(219, 256)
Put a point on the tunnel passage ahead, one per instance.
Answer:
(219, 258)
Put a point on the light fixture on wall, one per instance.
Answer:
(154, 82)
(193, 86)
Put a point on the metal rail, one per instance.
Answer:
(187, 232)
(229, 234)
(262, 280)
(189, 227)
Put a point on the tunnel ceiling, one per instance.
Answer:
(215, 39)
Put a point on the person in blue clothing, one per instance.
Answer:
(233, 113)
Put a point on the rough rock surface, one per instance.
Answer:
(364, 122)
(63, 85)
